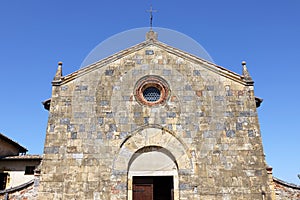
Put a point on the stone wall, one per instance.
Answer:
(29, 191)
(207, 122)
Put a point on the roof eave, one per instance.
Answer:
(15, 144)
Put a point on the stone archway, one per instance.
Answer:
(152, 143)
(151, 165)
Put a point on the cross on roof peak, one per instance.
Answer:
(151, 11)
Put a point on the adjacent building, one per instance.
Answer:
(17, 169)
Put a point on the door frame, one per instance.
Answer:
(173, 173)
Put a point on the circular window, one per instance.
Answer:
(151, 94)
(151, 90)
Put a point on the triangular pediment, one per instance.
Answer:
(146, 46)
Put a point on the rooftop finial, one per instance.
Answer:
(246, 74)
(151, 15)
(58, 74)
(151, 36)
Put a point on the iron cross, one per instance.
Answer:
(151, 15)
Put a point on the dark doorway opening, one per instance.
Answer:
(153, 188)
(3, 178)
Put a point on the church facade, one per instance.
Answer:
(153, 122)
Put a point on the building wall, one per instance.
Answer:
(17, 178)
(208, 124)
(283, 191)
(7, 149)
(16, 171)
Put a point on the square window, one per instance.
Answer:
(29, 170)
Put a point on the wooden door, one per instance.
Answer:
(142, 191)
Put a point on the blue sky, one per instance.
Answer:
(35, 35)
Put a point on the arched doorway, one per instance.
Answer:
(153, 174)
(148, 144)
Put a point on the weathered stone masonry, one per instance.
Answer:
(207, 127)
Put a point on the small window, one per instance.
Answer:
(151, 94)
(149, 52)
(29, 170)
(152, 90)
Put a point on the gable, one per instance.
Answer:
(112, 89)
(155, 53)
(9, 147)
